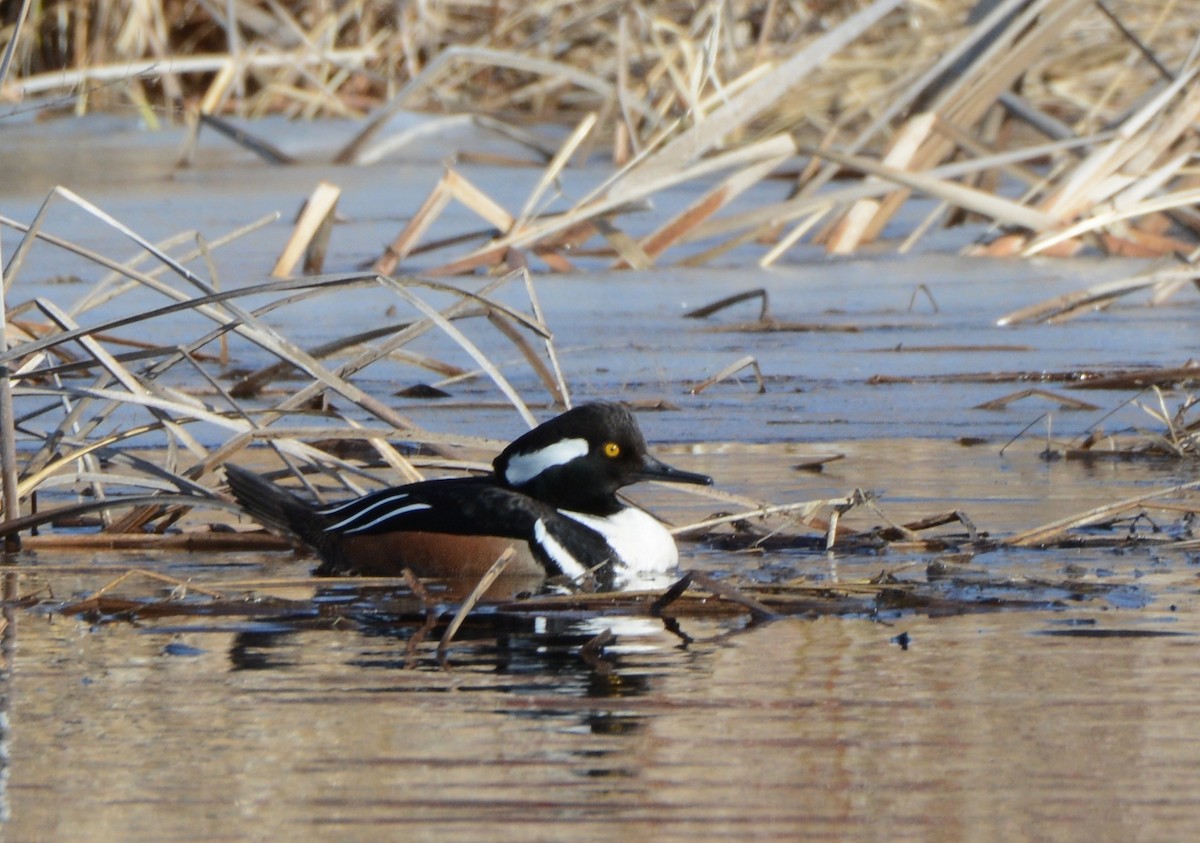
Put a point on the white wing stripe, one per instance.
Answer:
(334, 509)
(362, 513)
(391, 513)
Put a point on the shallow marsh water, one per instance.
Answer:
(983, 729)
(1071, 720)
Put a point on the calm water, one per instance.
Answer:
(984, 729)
(1075, 723)
(1067, 723)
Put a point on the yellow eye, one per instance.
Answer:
(612, 449)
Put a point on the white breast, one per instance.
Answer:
(641, 543)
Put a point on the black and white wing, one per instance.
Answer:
(480, 507)
(460, 506)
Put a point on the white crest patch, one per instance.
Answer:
(524, 467)
(566, 562)
(642, 545)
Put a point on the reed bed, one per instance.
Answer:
(1062, 125)
(87, 400)
(1059, 124)
(123, 437)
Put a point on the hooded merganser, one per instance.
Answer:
(553, 490)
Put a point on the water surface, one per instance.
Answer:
(987, 727)
(1050, 696)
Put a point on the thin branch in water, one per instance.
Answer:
(485, 582)
(729, 371)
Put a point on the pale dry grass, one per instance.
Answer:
(1065, 124)
(651, 63)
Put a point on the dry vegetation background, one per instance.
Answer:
(1082, 109)
(1063, 124)
(344, 58)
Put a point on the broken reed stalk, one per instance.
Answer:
(11, 48)
(1078, 302)
(259, 332)
(121, 386)
(801, 511)
(8, 433)
(470, 347)
(152, 69)
(709, 132)
(1048, 532)
(731, 370)
(485, 582)
(561, 392)
(311, 232)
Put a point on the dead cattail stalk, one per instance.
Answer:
(310, 238)
(8, 433)
(481, 587)
(1048, 533)
(730, 370)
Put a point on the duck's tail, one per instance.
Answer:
(278, 509)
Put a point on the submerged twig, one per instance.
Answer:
(1048, 532)
(729, 371)
(485, 582)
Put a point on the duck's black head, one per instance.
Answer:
(580, 459)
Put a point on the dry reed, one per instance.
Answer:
(84, 410)
(1060, 123)
(1064, 124)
